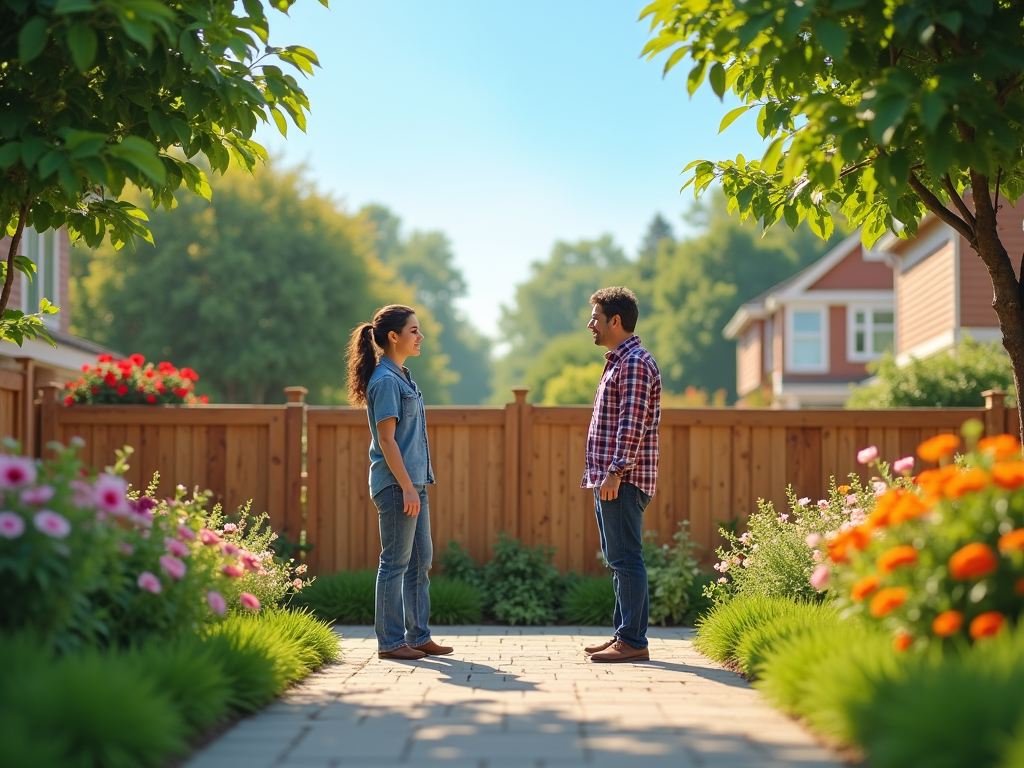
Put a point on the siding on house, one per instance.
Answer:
(853, 272)
(975, 284)
(839, 365)
(749, 359)
(925, 297)
(64, 277)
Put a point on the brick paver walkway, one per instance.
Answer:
(514, 696)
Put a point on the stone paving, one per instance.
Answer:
(513, 697)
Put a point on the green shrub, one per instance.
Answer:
(726, 625)
(700, 600)
(802, 618)
(453, 601)
(346, 597)
(319, 642)
(670, 575)
(520, 584)
(589, 601)
(455, 562)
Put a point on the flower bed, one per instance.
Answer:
(133, 381)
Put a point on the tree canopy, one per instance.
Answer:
(97, 95)
(257, 290)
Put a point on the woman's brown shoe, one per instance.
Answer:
(403, 653)
(592, 649)
(433, 649)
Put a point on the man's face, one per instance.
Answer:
(599, 326)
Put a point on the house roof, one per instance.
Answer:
(67, 339)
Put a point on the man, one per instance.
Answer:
(622, 465)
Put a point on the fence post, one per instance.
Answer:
(524, 476)
(513, 415)
(48, 412)
(29, 414)
(995, 411)
(294, 477)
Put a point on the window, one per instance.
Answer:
(871, 334)
(807, 333)
(42, 249)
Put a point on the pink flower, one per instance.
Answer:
(39, 494)
(125, 547)
(721, 567)
(208, 537)
(903, 465)
(819, 579)
(230, 528)
(249, 601)
(744, 538)
(216, 602)
(783, 517)
(149, 582)
(110, 493)
(233, 571)
(746, 563)
(11, 525)
(297, 583)
(822, 504)
(177, 548)
(803, 502)
(172, 566)
(302, 568)
(84, 498)
(868, 455)
(813, 540)
(880, 487)
(851, 500)
(250, 561)
(186, 533)
(52, 524)
(816, 556)
(722, 580)
(230, 549)
(16, 471)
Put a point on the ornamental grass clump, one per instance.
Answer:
(941, 561)
(725, 626)
(589, 601)
(453, 601)
(133, 381)
(346, 597)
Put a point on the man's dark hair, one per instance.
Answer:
(618, 300)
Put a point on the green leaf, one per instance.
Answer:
(279, 120)
(139, 31)
(188, 45)
(10, 153)
(889, 113)
(74, 6)
(695, 78)
(731, 116)
(32, 39)
(305, 53)
(833, 38)
(821, 222)
(82, 42)
(717, 79)
(770, 161)
(932, 107)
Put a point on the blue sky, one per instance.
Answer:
(506, 125)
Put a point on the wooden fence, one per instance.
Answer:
(515, 468)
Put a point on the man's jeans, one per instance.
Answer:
(403, 589)
(620, 522)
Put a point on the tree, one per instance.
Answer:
(425, 261)
(257, 290)
(887, 112)
(953, 380)
(97, 94)
(575, 385)
(658, 231)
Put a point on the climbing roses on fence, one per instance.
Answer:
(133, 381)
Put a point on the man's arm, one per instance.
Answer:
(634, 384)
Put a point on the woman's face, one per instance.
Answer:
(407, 343)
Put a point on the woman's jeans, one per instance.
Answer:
(620, 523)
(403, 589)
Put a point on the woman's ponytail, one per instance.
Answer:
(362, 359)
(363, 344)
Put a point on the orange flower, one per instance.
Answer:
(863, 588)
(1012, 541)
(902, 641)
(933, 481)
(1008, 474)
(843, 489)
(938, 447)
(853, 538)
(1018, 587)
(896, 558)
(884, 506)
(947, 623)
(962, 482)
(887, 600)
(907, 508)
(986, 625)
(973, 561)
(1001, 446)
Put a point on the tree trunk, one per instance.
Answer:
(1006, 288)
(5, 296)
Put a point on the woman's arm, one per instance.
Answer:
(393, 456)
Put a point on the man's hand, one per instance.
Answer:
(610, 487)
(411, 497)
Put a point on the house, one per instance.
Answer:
(51, 252)
(942, 289)
(804, 341)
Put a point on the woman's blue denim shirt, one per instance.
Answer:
(392, 393)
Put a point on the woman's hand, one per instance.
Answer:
(411, 497)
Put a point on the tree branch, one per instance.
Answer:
(958, 201)
(1009, 88)
(933, 204)
(857, 166)
(5, 296)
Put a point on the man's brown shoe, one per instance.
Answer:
(430, 648)
(620, 651)
(592, 649)
(403, 653)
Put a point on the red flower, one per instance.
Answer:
(164, 367)
(111, 379)
(140, 388)
(159, 387)
(122, 390)
(69, 385)
(204, 399)
(85, 369)
(150, 373)
(69, 400)
(104, 359)
(95, 390)
(180, 392)
(151, 398)
(188, 373)
(138, 360)
(126, 373)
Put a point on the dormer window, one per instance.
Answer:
(871, 332)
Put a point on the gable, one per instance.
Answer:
(854, 272)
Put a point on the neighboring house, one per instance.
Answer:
(51, 252)
(943, 290)
(806, 340)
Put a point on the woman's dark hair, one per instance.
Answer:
(366, 339)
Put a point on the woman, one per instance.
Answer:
(400, 472)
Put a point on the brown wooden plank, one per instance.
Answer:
(526, 494)
(443, 447)
(495, 494)
(332, 515)
(578, 509)
(313, 493)
(217, 451)
(540, 519)
(721, 480)
(741, 474)
(559, 510)
(779, 478)
(702, 526)
(461, 477)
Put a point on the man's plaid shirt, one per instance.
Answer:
(624, 427)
